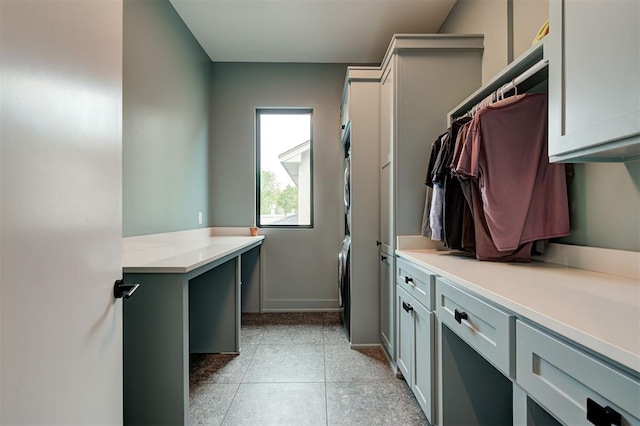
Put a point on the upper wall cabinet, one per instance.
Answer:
(594, 80)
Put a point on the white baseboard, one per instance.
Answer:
(366, 346)
(300, 305)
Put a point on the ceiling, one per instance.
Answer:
(315, 31)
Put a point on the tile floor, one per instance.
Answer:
(297, 369)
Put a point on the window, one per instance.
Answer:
(284, 153)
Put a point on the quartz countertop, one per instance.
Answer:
(598, 311)
(180, 252)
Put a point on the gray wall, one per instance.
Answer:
(488, 17)
(300, 264)
(604, 197)
(165, 121)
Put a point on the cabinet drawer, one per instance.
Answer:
(562, 378)
(487, 329)
(417, 282)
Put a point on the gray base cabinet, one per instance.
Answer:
(470, 361)
(415, 349)
(416, 333)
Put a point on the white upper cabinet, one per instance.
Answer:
(594, 80)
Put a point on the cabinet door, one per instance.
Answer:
(594, 101)
(386, 208)
(387, 303)
(405, 330)
(386, 115)
(423, 366)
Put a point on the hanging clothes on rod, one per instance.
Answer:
(518, 196)
(501, 194)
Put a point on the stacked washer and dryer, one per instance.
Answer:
(344, 290)
(358, 281)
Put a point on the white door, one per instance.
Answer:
(60, 211)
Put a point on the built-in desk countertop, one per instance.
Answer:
(188, 301)
(596, 310)
(180, 252)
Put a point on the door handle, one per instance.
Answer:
(598, 415)
(407, 307)
(120, 288)
(408, 280)
(383, 258)
(459, 316)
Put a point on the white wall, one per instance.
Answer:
(301, 265)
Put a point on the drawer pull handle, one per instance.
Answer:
(408, 280)
(459, 316)
(407, 307)
(383, 258)
(601, 416)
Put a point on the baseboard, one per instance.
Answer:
(366, 346)
(300, 305)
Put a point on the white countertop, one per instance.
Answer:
(597, 310)
(180, 252)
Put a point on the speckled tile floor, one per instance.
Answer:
(297, 369)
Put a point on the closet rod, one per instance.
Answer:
(543, 63)
(510, 85)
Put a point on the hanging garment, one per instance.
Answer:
(436, 205)
(454, 202)
(435, 148)
(435, 216)
(485, 249)
(523, 196)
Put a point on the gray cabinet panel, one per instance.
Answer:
(487, 329)
(416, 349)
(594, 63)
(423, 366)
(387, 304)
(561, 378)
(417, 282)
(404, 358)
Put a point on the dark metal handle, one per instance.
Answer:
(408, 280)
(378, 243)
(459, 316)
(602, 416)
(407, 307)
(342, 127)
(383, 258)
(120, 288)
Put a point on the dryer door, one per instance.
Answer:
(341, 267)
(347, 185)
